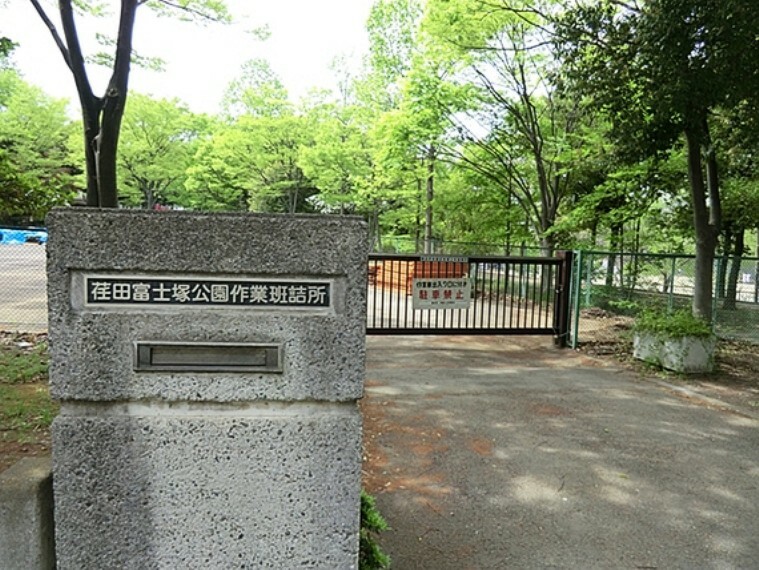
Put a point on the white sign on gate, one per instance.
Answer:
(441, 293)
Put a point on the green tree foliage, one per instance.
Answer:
(158, 141)
(412, 137)
(738, 132)
(252, 165)
(411, 120)
(336, 157)
(35, 174)
(394, 185)
(518, 132)
(392, 27)
(251, 161)
(6, 47)
(102, 114)
(508, 122)
(660, 69)
(258, 92)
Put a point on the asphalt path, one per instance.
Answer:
(23, 282)
(498, 452)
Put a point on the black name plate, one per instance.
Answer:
(154, 291)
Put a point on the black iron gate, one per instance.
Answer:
(430, 294)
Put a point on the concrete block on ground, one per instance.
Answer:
(26, 515)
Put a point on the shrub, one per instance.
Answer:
(678, 323)
(371, 556)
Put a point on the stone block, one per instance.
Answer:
(239, 489)
(685, 354)
(688, 354)
(92, 353)
(26, 515)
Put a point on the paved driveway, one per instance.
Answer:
(489, 452)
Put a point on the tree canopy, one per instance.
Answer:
(545, 124)
(660, 69)
(102, 114)
(36, 168)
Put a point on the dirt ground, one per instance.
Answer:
(735, 380)
(12, 451)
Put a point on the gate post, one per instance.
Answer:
(561, 306)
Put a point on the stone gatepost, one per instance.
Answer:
(208, 368)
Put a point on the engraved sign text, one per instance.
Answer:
(153, 291)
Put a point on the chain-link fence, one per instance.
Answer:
(23, 283)
(410, 245)
(610, 288)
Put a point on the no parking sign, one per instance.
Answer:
(441, 293)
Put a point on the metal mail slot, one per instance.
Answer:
(207, 357)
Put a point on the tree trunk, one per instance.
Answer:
(428, 201)
(375, 236)
(735, 270)
(91, 125)
(727, 249)
(546, 246)
(114, 103)
(611, 261)
(418, 234)
(101, 117)
(148, 195)
(705, 220)
(634, 272)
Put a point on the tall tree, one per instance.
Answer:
(518, 130)
(35, 173)
(738, 132)
(159, 139)
(392, 28)
(251, 161)
(416, 131)
(660, 68)
(337, 156)
(257, 92)
(252, 165)
(102, 114)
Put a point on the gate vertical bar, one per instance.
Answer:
(576, 295)
(561, 318)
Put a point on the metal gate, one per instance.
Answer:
(431, 294)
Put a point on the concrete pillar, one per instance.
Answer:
(208, 368)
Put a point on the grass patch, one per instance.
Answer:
(26, 411)
(22, 361)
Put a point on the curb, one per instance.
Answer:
(693, 394)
